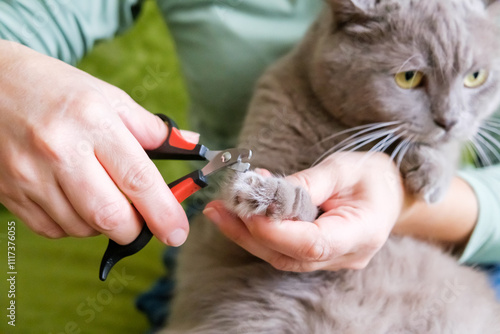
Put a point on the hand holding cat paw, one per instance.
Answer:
(257, 193)
(361, 198)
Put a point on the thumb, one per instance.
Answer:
(319, 181)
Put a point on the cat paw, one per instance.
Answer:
(250, 193)
(426, 173)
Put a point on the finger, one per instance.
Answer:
(149, 130)
(318, 182)
(303, 241)
(190, 136)
(95, 197)
(137, 176)
(35, 218)
(263, 172)
(234, 228)
(53, 201)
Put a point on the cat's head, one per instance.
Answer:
(432, 64)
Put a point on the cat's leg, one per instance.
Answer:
(250, 193)
(427, 171)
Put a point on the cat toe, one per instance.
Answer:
(251, 194)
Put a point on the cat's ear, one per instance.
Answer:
(493, 7)
(489, 2)
(354, 15)
(345, 11)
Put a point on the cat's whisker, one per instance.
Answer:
(390, 142)
(480, 152)
(377, 148)
(335, 135)
(495, 121)
(470, 148)
(399, 147)
(406, 62)
(408, 142)
(365, 140)
(353, 141)
(364, 128)
(369, 139)
(487, 142)
(495, 141)
(491, 129)
(382, 145)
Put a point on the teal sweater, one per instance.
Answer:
(223, 45)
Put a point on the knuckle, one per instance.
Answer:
(49, 141)
(50, 232)
(317, 251)
(55, 137)
(139, 178)
(12, 178)
(281, 263)
(82, 101)
(54, 233)
(108, 216)
(303, 181)
(284, 263)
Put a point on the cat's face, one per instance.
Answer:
(434, 65)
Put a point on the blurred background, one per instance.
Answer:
(57, 285)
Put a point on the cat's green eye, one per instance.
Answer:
(476, 79)
(409, 79)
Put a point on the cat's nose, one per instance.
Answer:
(445, 123)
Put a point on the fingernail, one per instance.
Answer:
(177, 237)
(212, 214)
(262, 172)
(190, 136)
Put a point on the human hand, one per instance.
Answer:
(72, 154)
(361, 197)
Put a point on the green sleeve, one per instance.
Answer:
(64, 29)
(484, 244)
(223, 47)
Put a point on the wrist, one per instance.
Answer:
(450, 221)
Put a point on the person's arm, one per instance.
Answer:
(72, 153)
(64, 29)
(468, 218)
(450, 222)
(483, 245)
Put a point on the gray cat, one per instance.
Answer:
(412, 78)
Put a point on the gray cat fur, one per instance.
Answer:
(339, 77)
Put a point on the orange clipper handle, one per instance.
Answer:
(175, 147)
(182, 189)
(188, 185)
